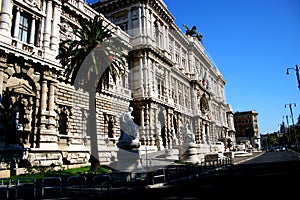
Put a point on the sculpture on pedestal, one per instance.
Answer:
(189, 152)
(129, 158)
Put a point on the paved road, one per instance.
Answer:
(272, 175)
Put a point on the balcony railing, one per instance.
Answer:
(28, 48)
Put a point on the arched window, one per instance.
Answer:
(204, 106)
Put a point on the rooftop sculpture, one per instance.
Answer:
(192, 32)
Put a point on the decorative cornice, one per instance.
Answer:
(106, 7)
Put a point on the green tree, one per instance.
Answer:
(90, 60)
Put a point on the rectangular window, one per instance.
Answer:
(24, 28)
(159, 87)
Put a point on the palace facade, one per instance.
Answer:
(171, 84)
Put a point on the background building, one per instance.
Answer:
(246, 125)
(171, 83)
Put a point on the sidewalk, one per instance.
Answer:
(241, 159)
(126, 183)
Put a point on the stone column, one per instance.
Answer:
(163, 46)
(44, 96)
(176, 92)
(6, 17)
(168, 129)
(154, 78)
(151, 123)
(40, 37)
(144, 72)
(174, 50)
(17, 22)
(170, 86)
(142, 117)
(141, 75)
(157, 130)
(1, 83)
(167, 88)
(152, 29)
(149, 27)
(43, 107)
(143, 20)
(148, 134)
(166, 38)
(51, 97)
(55, 27)
(150, 80)
(140, 20)
(47, 27)
(32, 31)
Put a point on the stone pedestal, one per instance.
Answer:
(129, 160)
(189, 153)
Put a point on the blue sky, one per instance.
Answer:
(252, 43)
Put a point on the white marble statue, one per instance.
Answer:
(189, 136)
(129, 131)
(174, 137)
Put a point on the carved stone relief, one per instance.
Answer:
(18, 104)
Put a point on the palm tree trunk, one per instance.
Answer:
(92, 132)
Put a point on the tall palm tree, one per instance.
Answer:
(94, 56)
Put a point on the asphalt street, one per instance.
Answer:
(272, 175)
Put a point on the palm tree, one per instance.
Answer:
(94, 56)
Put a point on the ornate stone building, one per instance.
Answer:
(174, 83)
(171, 83)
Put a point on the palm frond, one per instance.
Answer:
(94, 40)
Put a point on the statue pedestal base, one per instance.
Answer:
(189, 153)
(129, 160)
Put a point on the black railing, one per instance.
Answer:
(11, 189)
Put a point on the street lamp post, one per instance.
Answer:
(291, 110)
(297, 74)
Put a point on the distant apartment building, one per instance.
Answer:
(171, 83)
(246, 126)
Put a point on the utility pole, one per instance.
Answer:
(291, 110)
